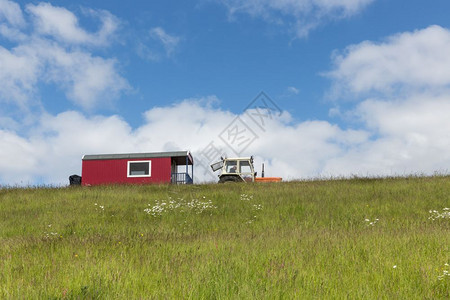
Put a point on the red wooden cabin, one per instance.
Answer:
(138, 168)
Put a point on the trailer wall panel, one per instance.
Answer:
(114, 171)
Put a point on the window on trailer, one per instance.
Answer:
(139, 169)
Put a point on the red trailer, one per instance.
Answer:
(138, 168)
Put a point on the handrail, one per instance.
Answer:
(181, 178)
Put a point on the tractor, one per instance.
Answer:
(240, 170)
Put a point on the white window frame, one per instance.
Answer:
(139, 161)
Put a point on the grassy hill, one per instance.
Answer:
(360, 238)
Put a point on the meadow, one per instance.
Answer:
(326, 239)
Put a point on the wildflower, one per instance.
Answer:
(245, 197)
(195, 205)
(371, 223)
(445, 272)
(50, 234)
(101, 207)
(434, 214)
(257, 207)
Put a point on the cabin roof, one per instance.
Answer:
(178, 156)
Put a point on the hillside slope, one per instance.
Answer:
(360, 238)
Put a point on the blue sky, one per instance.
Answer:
(362, 85)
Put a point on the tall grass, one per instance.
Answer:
(353, 239)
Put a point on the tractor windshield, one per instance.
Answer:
(231, 166)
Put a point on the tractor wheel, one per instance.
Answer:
(229, 179)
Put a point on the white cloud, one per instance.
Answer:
(47, 56)
(18, 75)
(63, 25)
(161, 44)
(402, 137)
(409, 136)
(300, 15)
(17, 158)
(293, 90)
(423, 114)
(147, 53)
(11, 12)
(297, 7)
(87, 80)
(408, 77)
(169, 42)
(11, 19)
(411, 60)
(11, 33)
(54, 147)
(58, 142)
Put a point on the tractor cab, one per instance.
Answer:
(235, 169)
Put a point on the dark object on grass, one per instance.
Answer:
(75, 180)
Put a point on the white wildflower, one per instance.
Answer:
(257, 207)
(371, 223)
(50, 234)
(435, 215)
(245, 197)
(180, 204)
(445, 273)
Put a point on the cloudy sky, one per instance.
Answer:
(313, 88)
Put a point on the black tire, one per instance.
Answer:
(75, 180)
(229, 179)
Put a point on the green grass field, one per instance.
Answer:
(330, 239)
